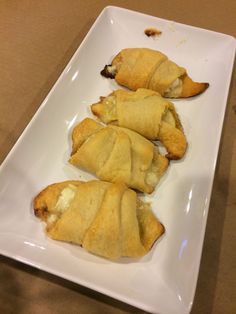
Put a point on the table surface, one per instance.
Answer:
(34, 48)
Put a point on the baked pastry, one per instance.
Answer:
(147, 113)
(117, 154)
(106, 219)
(146, 68)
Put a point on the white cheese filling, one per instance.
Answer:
(110, 113)
(65, 198)
(175, 89)
(63, 203)
(151, 178)
(52, 218)
(111, 69)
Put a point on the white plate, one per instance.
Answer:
(164, 281)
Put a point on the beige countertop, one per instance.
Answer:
(34, 49)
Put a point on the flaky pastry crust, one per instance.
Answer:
(106, 219)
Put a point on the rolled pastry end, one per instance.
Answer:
(156, 171)
(105, 109)
(151, 229)
(82, 131)
(191, 88)
(109, 71)
(184, 87)
(46, 205)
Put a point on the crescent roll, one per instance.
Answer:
(117, 154)
(106, 219)
(146, 68)
(147, 113)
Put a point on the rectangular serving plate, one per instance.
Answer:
(164, 281)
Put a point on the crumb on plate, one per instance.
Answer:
(152, 32)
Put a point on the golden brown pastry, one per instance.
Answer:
(104, 218)
(146, 68)
(117, 154)
(147, 113)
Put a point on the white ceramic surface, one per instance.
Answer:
(164, 281)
